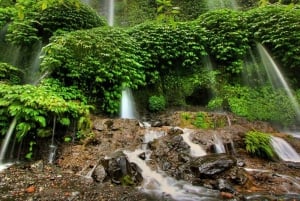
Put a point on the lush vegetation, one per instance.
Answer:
(100, 62)
(166, 61)
(259, 144)
(35, 107)
(38, 20)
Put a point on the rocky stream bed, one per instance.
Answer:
(98, 168)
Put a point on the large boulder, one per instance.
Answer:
(211, 165)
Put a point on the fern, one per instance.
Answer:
(258, 143)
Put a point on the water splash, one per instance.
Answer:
(284, 150)
(195, 149)
(276, 77)
(127, 105)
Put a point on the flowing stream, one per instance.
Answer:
(195, 149)
(284, 150)
(155, 182)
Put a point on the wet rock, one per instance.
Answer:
(175, 131)
(157, 124)
(226, 195)
(211, 165)
(119, 169)
(142, 156)
(99, 173)
(166, 165)
(224, 186)
(238, 176)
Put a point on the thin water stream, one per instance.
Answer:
(276, 77)
(195, 149)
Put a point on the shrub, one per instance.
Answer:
(100, 62)
(202, 121)
(259, 144)
(157, 103)
(38, 20)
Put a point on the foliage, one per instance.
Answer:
(6, 15)
(157, 103)
(201, 120)
(100, 61)
(190, 9)
(227, 38)
(166, 12)
(35, 21)
(35, 106)
(170, 47)
(259, 144)
(261, 103)
(277, 27)
(10, 74)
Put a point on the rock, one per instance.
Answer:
(142, 156)
(175, 131)
(30, 189)
(37, 166)
(211, 165)
(99, 173)
(118, 167)
(226, 195)
(157, 124)
(225, 186)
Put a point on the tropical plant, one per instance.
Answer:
(35, 106)
(157, 103)
(227, 39)
(10, 74)
(100, 62)
(38, 20)
(277, 28)
(259, 144)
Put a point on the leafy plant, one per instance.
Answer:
(202, 121)
(157, 103)
(100, 62)
(227, 38)
(259, 144)
(38, 20)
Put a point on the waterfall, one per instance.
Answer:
(6, 140)
(111, 12)
(195, 149)
(276, 77)
(52, 146)
(218, 145)
(127, 105)
(284, 150)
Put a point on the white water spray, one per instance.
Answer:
(276, 77)
(195, 149)
(6, 140)
(284, 150)
(127, 105)
(157, 183)
(218, 144)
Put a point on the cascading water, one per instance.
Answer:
(218, 145)
(52, 146)
(155, 182)
(195, 149)
(219, 4)
(127, 105)
(284, 150)
(5, 143)
(276, 77)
